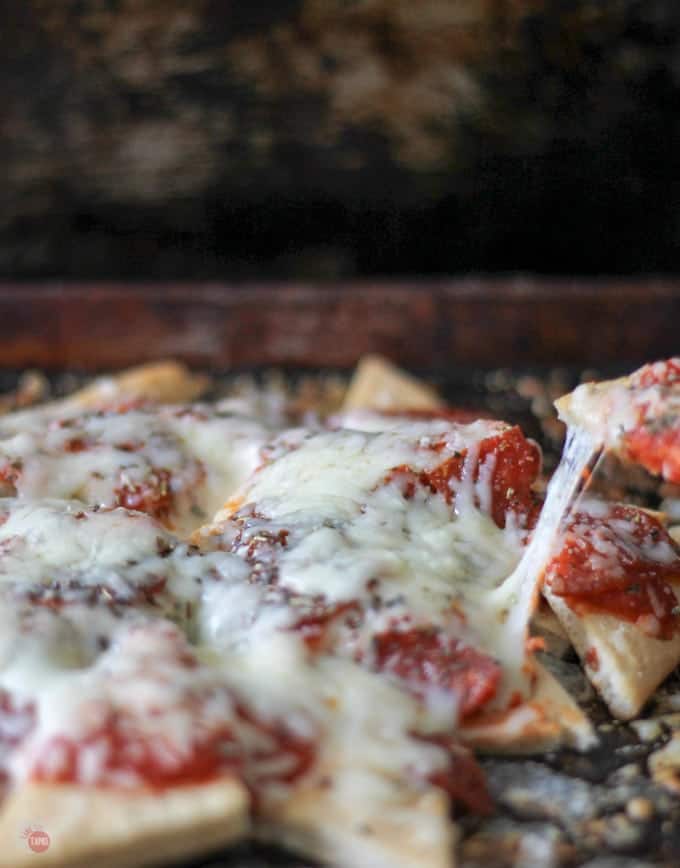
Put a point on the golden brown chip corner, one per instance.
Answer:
(623, 664)
(163, 382)
(377, 384)
(106, 828)
(550, 718)
(315, 821)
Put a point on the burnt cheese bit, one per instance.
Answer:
(129, 446)
(164, 547)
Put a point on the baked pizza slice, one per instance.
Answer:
(122, 758)
(615, 574)
(132, 737)
(111, 736)
(400, 550)
(637, 417)
(614, 583)
(165, 382)
(173, 462)
(376, 785)
(382, 397)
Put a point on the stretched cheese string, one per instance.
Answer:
(516, 597)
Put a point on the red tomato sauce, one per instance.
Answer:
(656, 444)
(517, 463)
(10, 473)
(157, 763)
(300, 752)
(126, 752)
(425, 657)
(607, 564)
(463, 781)
(656, 448)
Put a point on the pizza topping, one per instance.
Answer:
(174, 463)
(120, 753)
(55, 553)
(592, 658)
(390, 565)
(426, 658)
(275, 754)
(657, 374)
(365, 755)
(116, 755)
(503, 469)
(316, 626)
(149, 714)
(17, 719)
(153, 495)
(656, 447)
(463, 780)
(638, 416)
(619, 560)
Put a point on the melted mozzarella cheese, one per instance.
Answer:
(348, 525)
(609, 410)
(141, 677)
(42, 540)
(369, 758)
(351, 534)
(346, 465)
(92, 457)
(415, 548)
(63, 550)
(517, 596)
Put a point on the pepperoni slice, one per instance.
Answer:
(154, 495)
(463, 780)
(425, 657)
(517, 463)
(513, 463)
(622, 563)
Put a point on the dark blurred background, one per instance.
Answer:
(339, 138)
